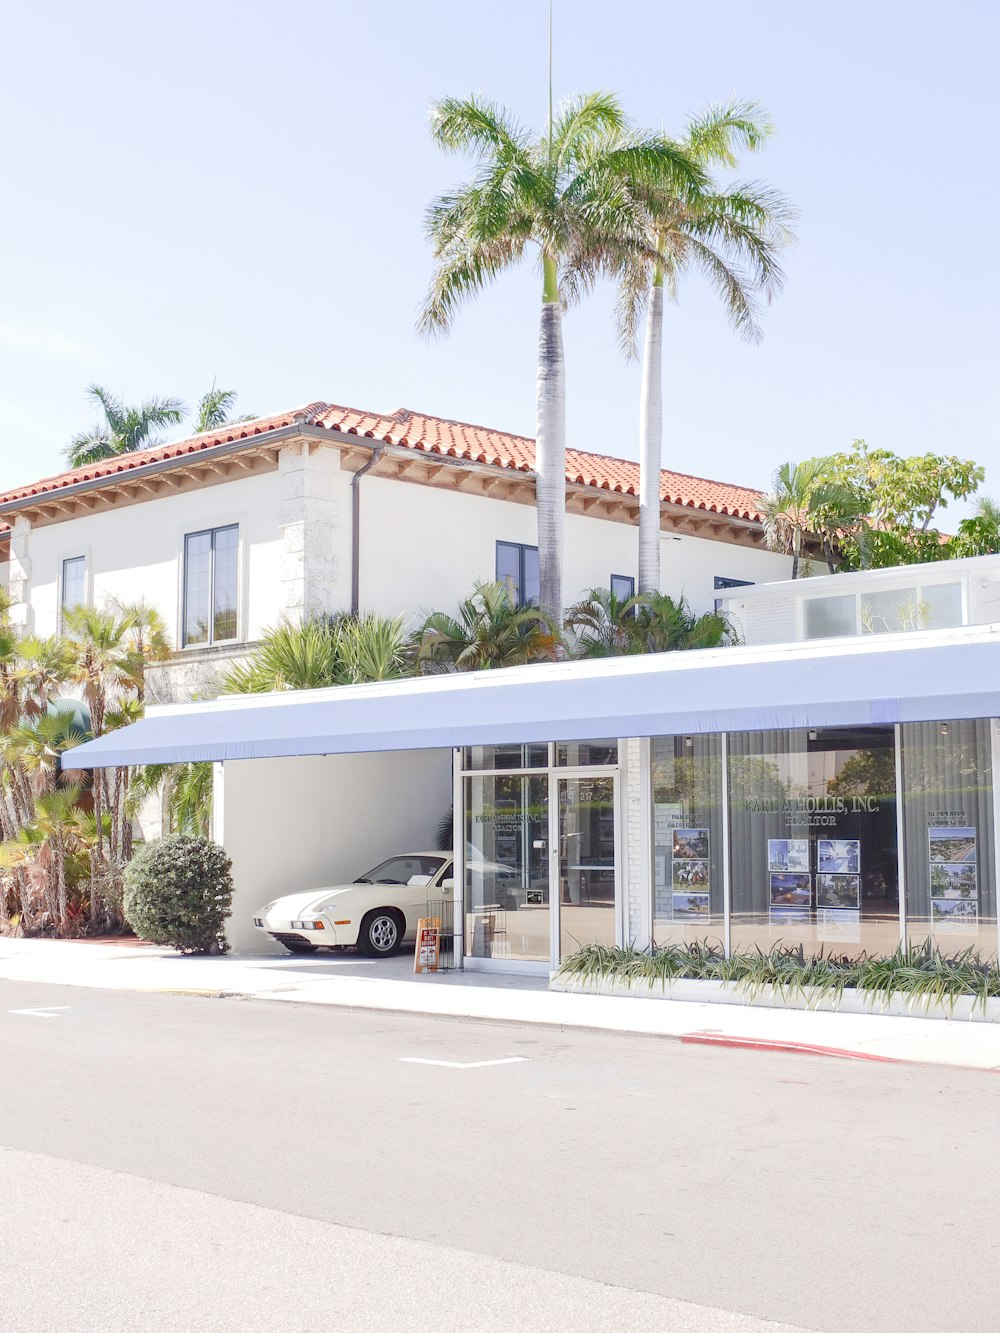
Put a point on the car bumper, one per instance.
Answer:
(330, 937)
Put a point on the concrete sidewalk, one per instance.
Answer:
(354, 982)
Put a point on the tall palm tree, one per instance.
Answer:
(560, 195)
(123, 428)
(490, 630)
(733, 236)
(798, 490)
(214, 409)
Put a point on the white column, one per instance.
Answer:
(19, 582)
(314, 573)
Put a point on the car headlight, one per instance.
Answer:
(313, 923)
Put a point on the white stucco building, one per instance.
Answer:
(330, 508)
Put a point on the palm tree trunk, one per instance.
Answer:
(651, 441)
(796, 544)
(550, 448)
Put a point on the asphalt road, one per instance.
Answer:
(173, 1163)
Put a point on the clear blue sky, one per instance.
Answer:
(229, 190)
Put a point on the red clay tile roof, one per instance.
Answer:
(431, 435)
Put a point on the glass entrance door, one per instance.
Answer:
(507, 867)
(585, 858)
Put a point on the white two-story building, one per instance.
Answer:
(329, 509)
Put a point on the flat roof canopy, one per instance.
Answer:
(876, 680)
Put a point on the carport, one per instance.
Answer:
(551, 770)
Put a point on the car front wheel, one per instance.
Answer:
(381, 933)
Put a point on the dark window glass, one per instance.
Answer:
(74, 583)
(729, 583)
(530, 586)
(211, 581)
(622, 586)
(517, 566)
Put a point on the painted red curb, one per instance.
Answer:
(802, 1047)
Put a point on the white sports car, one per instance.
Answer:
(377, 912)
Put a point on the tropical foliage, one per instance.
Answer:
(562, 197)
(121, 427)
(215, 409)
(66, 836)
(732, 235)
(323, 651)
(871, 508)
(603, 625)
(489, 630)
(920, 973)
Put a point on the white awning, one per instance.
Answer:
(918, 677)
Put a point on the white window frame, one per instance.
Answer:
(75, 553)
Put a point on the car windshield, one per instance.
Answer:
(401, 869)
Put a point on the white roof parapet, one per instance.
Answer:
(871, 680)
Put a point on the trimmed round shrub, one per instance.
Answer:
(179, 891)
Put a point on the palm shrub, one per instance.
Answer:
(122, 427)
(490, 630)
(178, 892)
(323, 651)
(603, 625)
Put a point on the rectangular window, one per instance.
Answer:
(721, 582)
(74, 583)
(517, 566)
(211, 585)
(830, 617)
(622, 586)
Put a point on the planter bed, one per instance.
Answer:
(853, 1001)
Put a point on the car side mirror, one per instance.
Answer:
(447, 885)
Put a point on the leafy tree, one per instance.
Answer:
(980, 534)
(733, 236)
(214, 410)
(650, 622)
(563, 196)
(900, 497)
(490, 630)
(122, 428)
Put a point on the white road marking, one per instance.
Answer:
(458, 1064)
(49, 1011)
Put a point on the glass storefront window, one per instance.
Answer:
(688, 893)
(813, 840)
(506, 866)
(569, 754)
(948, 828)
(479, 757)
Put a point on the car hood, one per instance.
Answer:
(294, 905)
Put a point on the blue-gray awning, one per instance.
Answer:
(919, 677)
